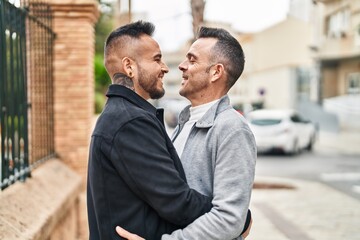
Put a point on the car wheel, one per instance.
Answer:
(309, 147)
(295, 149)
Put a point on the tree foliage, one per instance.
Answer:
(104, 26)
(102, 29)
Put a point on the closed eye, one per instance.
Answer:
(157, 58)
(192, 58)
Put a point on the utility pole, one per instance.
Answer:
(197, 12)
(129, 14)
(123, 17)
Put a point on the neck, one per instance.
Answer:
(211, 93)
(204, 98)
(192, 108)
(141, 92)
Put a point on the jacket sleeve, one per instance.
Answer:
(140, 155)
(233, 180)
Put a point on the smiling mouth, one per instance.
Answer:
(184, 79)
(161, 78)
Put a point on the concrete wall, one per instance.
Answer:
(279, 86)
(286, 43)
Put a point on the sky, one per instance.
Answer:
(173, 21)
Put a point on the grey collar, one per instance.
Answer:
(208, 119)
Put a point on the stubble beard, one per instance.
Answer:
(188, 91)
(150, 86)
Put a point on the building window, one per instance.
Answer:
(338, 24)
(353, 81)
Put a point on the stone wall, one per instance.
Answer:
(46, 206)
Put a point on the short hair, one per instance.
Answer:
(120, 40)
(226, 50)
(133, 30)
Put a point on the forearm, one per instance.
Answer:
(209, 226)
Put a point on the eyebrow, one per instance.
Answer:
(158, 55)
(189, 55)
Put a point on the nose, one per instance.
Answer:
(182, 66)
(164, 68)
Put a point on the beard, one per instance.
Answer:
(193, 87)
(149, 83)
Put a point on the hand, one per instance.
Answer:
(246, 233)
(128, 235)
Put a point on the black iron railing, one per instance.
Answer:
(26, 89)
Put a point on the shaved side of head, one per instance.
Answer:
(122, 42)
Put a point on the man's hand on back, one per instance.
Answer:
(130, 236)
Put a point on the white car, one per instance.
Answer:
(282, 130)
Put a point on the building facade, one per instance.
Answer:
(279, 68)
(338, 58)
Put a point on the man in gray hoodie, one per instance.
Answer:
(217, 148)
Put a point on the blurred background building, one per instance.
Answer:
(308, 61)
(338, 59)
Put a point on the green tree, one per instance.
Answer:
(102, 29)
(104, 26)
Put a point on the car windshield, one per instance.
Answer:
(265, 122)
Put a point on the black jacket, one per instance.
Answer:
(135, 178)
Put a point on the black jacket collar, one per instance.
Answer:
(116, 90)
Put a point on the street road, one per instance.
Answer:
(341, 172)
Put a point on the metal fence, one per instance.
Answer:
(26, 88)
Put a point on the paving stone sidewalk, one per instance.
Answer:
(311, 210)
(343, 142)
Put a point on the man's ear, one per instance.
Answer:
(217, 72)
(128, 66)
